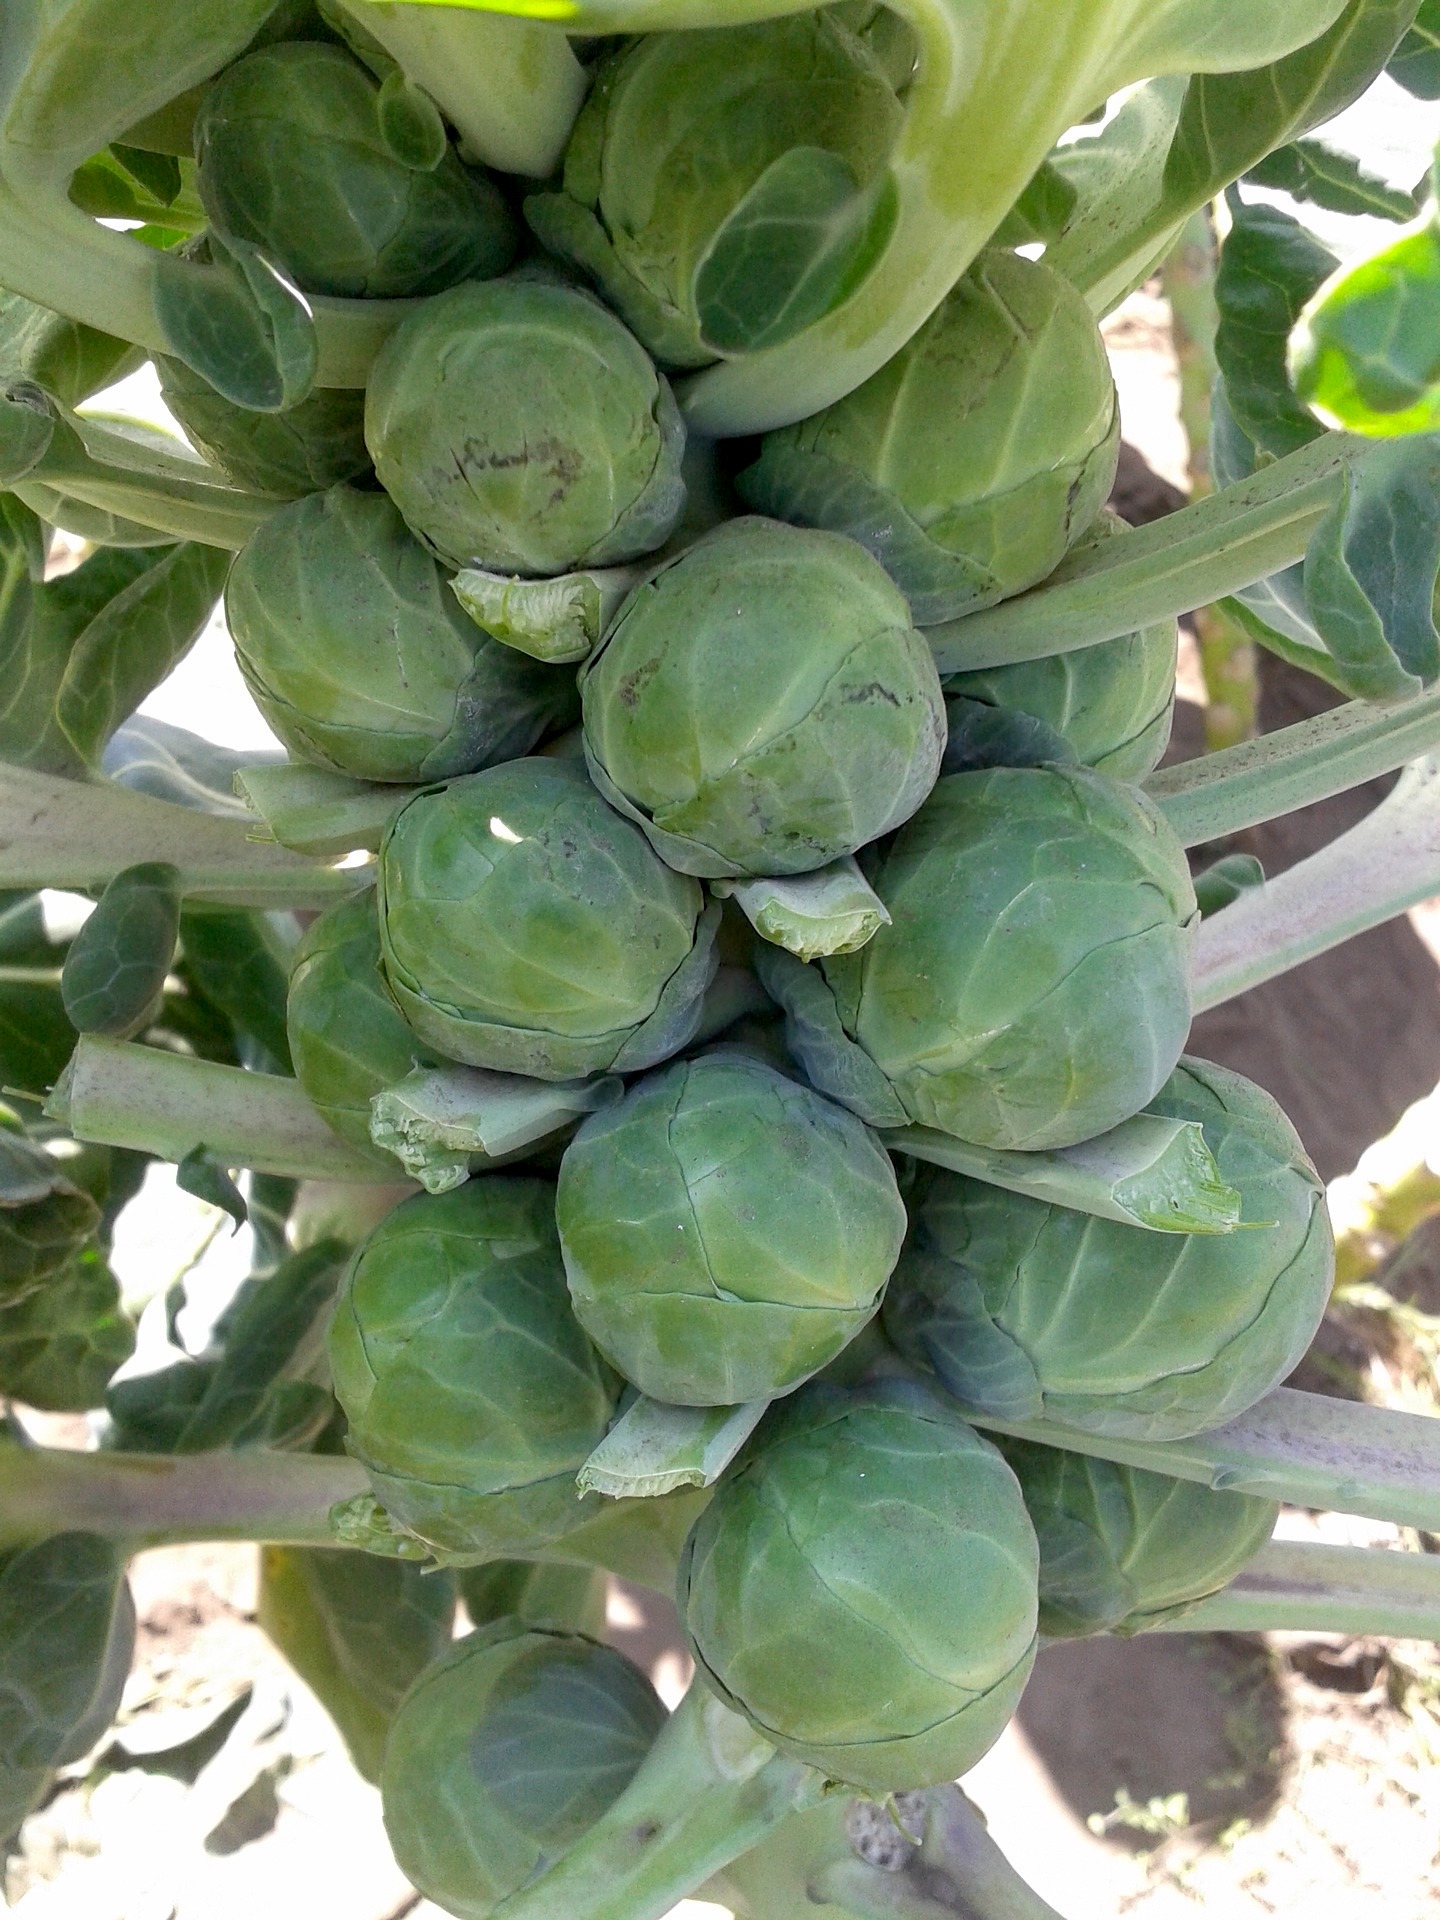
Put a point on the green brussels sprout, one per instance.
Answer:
(362, 659)
(690, 165)
(1032, 989)
(762, 704)
(291, 158)
(975, 457)
(520, 428)
(313, 445)
(725, 1230)
(472, 1394)
(527, 927)
(1122, 1549)
(1027, 1309)
(504, 1753)
(348, 1040)
(862, 1587)
(1113, 702)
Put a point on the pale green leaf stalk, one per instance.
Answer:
(443, 1125)
(654, 1448)
(834, 910)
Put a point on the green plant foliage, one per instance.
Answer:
(314, 445)
(348, 1039)
(361, 658)
(724, 190)
(239, 962)
(1023, 1308)
(883, 1668)
(45, 1219)
(114, 976)
(538, 1594)
(975, 457)
(526, 927)
(36, 1039)
(67, 1631)
(504, 1753)
(1031, 990)
(293, 160)
(472, 1394)
(358, 1630)
(1122, 1549)
(726, 1231)
(762, 703)
(60, 1345)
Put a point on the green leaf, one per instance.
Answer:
(114, 974)
(652, 1448)
(1370, 573)
(797, 244)
(27, 426)
(67, 1633)
(358, 1630)
(169, 763)
(62, 356)
(45, 1219)
(1365, 354)
(36, 1039)
(198, 1175)
(158, 173)
(1269, 267)
(239, 324)
(410, 124)
(240, 964)
(1416, 62)
(1310, 171)
(1042, 211)
(59, 1348)
(1226, 880)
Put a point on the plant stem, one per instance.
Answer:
(957, 1873)
(1211, 548)
(1382, 866)
(1223, 793)
(1291, 1586)
(708, 1790)
(149, 1500)
(79, 834)
(118, 1094)
(1298, 1447)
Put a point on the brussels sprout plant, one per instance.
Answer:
(653, 468)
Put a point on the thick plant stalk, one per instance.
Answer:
(956, 1873)
(1387, 863)
(1335, 1455)
(1211, 548)
(708, 1790)
(1227, 653)
(118, 1094)
(1291, 1586)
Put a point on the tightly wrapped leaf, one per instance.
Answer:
(504, 1753)
(311, 446)
(726, 1231)
(724, 188)
(521, 429)
(1026, 1309)
(361, 658)
(975, 457)
(1032, 990)
(347, 1037)
(762, 704)
(863, 1587)
(1122, 1550)
(472, 1394)
(528, 928)
(292, 159)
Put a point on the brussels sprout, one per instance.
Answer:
(472, 1394)
(714, 182)
(347, 1038)
(726, 1231)
(504, 1753)
(975, 457)
(1122, 1549)
(291, 158)
(313, 445)
(1027, 1309)
(362, 659)
(527, 927)
(519, 428)
(1032, 990)
(863, 1587)
(1113, 702)
(762, 704)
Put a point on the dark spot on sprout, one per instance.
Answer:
(872, 690)
(645, 1831)
(629, 690)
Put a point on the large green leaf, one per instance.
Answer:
(1269, 267)
(59, 1347)
(241, 965)
(67, 1632)
(114, 975)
